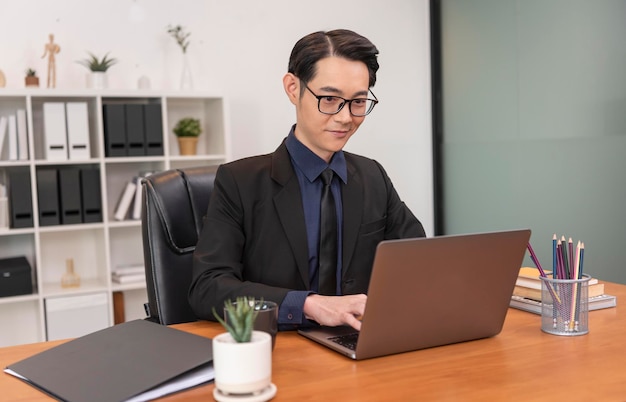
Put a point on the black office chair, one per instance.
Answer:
(174, 203)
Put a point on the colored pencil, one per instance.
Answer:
(570, 257)
(582, 255)
(564, 255)
(553, 255)
(533, 256)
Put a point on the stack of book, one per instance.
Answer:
(527, 292)
(129, 274)
(128, 205)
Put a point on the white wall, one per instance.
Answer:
(240, 49)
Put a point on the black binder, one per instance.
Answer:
(21, 199)
(135, 138)
(117, 363)
(114, 129)
(69, 196)
(153, 126)
(48, 197)
(91, 195)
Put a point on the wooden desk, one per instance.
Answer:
(520, 364)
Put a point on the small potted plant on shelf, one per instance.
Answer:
(97, 78)
(187, 131)
(31, 79)
(242, 357)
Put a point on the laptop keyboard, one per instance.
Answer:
(348, 341)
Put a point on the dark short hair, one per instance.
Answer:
(341, 43)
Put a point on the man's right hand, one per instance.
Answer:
(335, 310)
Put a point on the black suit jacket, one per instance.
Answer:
(253, 242)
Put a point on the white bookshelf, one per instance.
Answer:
(97, 248)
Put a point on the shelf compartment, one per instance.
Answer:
(117, 177)
(211, 114)
(85, 247)
(39, 131)
(21, 322)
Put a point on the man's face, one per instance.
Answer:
(326, 134)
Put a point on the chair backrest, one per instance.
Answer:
(174, 205)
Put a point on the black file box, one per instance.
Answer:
(48, 197)
(135, 138)
(91, 195)
(115, 129)
(15, 277)
(153, 126)
(69, 196)
(21, 199)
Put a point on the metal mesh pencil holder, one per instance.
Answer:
(564, 306)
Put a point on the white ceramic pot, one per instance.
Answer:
(242, 368)
(97, 80)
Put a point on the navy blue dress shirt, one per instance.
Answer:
(308, 168)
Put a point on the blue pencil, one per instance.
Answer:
(582, 254)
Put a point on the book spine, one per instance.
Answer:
(22, 135)
(124, 202)
(3, 133)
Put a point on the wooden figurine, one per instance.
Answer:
(51, 49)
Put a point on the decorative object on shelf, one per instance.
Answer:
(182, 38)
(51, 49)
(3, 80)
(70, 279)
(31, 79)
(187, 131)
(97, 79)
(242, 357)
(143, 82)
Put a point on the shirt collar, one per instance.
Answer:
(312, 165)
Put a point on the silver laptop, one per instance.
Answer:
(428, 292)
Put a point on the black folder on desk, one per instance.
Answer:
(116, 363)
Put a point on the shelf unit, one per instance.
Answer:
(96, 248)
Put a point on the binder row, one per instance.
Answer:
(68, 195)
(133, 129)
(66, 131)
(65, 195)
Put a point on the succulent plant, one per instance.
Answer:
(240, 318)
(31, 73)
(99, 65)
(188, 127)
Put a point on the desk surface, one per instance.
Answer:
(521, 363)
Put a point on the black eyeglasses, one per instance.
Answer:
(358, 107)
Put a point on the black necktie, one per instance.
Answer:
(328, 239)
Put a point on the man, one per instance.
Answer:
(261, 236)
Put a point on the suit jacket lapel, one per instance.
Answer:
(288, 204)
(352, 201)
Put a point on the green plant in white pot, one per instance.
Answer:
(187, 131)
(98, 68)
(242, 357)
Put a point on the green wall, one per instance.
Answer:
(534, 122)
